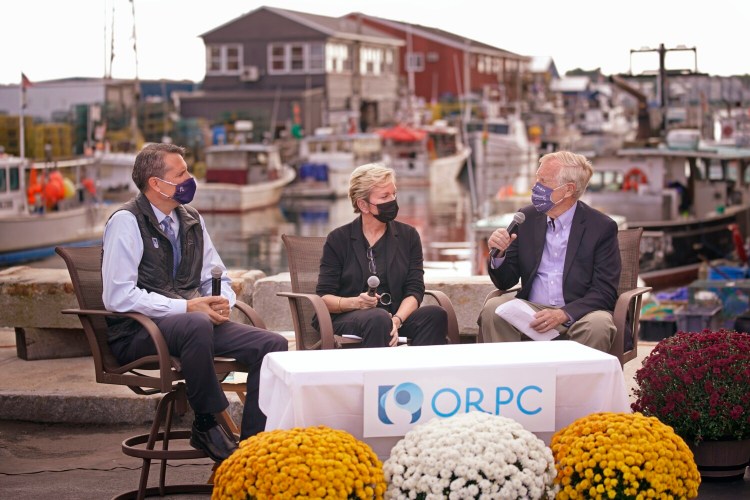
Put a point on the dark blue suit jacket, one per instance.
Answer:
(591, 273)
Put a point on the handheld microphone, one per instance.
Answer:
(518, 219)
(372, 282)
(216, 273)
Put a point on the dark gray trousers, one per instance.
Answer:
(428, 325)
(195, 340)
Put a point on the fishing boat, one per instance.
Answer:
(242, 177)
(429, 154)
(505, 160)
(44, 206)
(685, 194)
(327, 162)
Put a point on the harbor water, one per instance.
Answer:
(252, 239)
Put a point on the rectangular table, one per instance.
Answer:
(308, 388)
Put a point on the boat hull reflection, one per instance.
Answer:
(252, 239)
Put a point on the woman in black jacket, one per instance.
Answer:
(374, 244)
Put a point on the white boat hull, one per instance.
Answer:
(229, 198)
(448, 167)
(32, 231)
(421, 171)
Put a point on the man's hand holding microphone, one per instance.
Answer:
(215, 305)
(501, 238)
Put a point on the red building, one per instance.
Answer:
(439, 66)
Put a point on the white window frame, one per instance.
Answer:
(371, 60)
(308, 67)
(338, 58)
(389, 63)
(414, 61)
(224, 59)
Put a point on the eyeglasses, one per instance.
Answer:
(371, 258)
(385, 298)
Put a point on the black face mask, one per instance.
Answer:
(386, 211)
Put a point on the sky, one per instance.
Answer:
(49, 39)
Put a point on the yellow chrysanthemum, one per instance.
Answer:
(621, 455)
(311, 462)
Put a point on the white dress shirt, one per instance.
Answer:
(123, 251)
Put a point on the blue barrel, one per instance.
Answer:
(321, 172)
(305, 171)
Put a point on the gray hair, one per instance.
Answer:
(574, 168)
(150, 163)
(366, 177)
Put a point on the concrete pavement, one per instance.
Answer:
(60, 432)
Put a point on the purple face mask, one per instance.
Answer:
(183, 192)
(541, 197)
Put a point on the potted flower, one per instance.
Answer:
(311, 462)
(698, 384)
(472, 455)
(621, 455)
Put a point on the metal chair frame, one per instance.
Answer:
(627, 311)
(303, 255)
(84, 266)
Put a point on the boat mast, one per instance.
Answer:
(136, 90)
(22, 140)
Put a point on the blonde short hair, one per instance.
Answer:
(366, 177)
(574, 168)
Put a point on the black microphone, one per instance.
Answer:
(518, 219)
(372, 282)
(216, 273)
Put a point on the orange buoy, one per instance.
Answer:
(88, 183)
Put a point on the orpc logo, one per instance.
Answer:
(395, 401)
(407, 396)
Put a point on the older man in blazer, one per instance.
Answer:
(566, 256)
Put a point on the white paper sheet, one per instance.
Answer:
(519, 314)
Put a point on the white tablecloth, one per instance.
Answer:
(308, 388)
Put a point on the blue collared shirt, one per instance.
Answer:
(547, 285)
(123, 251)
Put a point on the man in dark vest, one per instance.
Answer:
(157, 261)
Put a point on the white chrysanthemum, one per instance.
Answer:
(474, 455)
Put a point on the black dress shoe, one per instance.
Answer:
(216, 442)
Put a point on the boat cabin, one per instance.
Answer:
(362, 148)
(405, 150)
(11, 187)
(327, 160)
(685, 199)
(242, 164)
